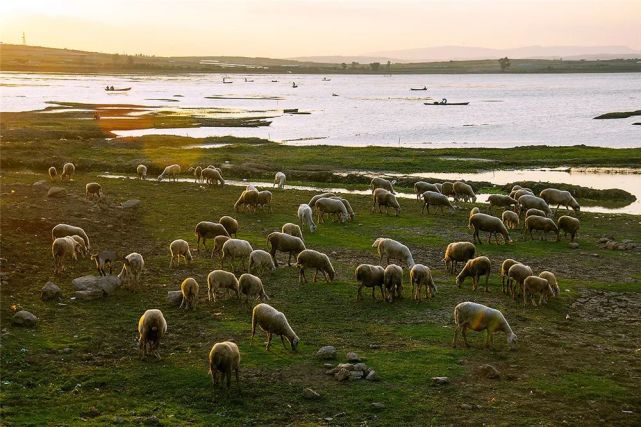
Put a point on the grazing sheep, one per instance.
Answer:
(189, 289)
(248, 199)
(171, 171)
(458, 252)
(502, 201)
(93, 189)
(230, 224)
(152, 326)
(208, 230)
(382, 197)
(212, 176)
(61, 248)
(234, 249)
(265, 200)
(447, 188)
(292, 230)
(141, 171)
(534, 212)
(219, 170)
(479, 317)
(391, 249)
(521, 192)
(219, 241)
(369, 276)
(491, 224)
(421, 187)
(63, 230)
(439, 187)
(81, 249)
(382, 183)
(279, 179)
(313, 200)
(104, 259)
(179, 248)
(251, 286)
(541, 223)
(283, 242)
(273, 322)
(305, 216)
(551, 278)
(529, 201)
(510, 219)
(463, 192)
(503, 271)
(53, 173)
(331, 207)
(557, 197)
(535, 285)
(221, 279)
(196, 172)
(473, 211)
(393, 281)
(348, 207)
(68, 169)
(420, 276)
(569, 225)
(224, 357)
(432, 198)
(475, 268)
(132, 269)
(260, 261)
(515, 277)
(318, 261)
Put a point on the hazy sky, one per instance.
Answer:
(285, 28)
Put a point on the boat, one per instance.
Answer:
(325, 79)
(274, 81)
(419, 88)
(225, 80)
(444, 102)
(294, 85)
(122, 89)
(334, 94)
(290, 110)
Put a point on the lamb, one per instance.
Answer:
(510, 220)
(104, 259)
(292, 230)
(491, 224)
(152, 326)
(521, 192)
(569, 225)
(313, 200)
(279, 179)
(534, 285)
(515, 187)
(392, 249)
(370, 276)
(515, 277)
(284, 243)
(230, 224)
(420, 276)
(234, 249)
(179, 248)
(458, 252)
(260, 261)
(62, 230)
(463, 191)
(529, 201)
(475, 268)
(141, 171)
(251, 286)
(348, 207)
(479, 317)
(212, 176)
(171, 171)
(332, 207)
(557, 197)
(534, 212)
(439, 187)
(541, 223)
(305, 216)
(221, 279)
(421, 187)
(81, 249)
(68, 169)
(273, 322)
(551, 278)
(248, 199)
(189, 288)
(93, 189)
(502, 201)
(382, 197)
(447, 188)
(219, 241)
(503, 272)
(473, 211)
(224, 357)
(132, 269)
(382, 183)
(265, 200)
(310, 258)
(219, 170)
(209, 230)
(61, 248)
(435, 199)
(53, 173)
(393, 280)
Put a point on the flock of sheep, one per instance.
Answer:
(518, 280)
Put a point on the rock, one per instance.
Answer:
(50, 291)
(361, 367)
(310, 394)
(342, 374)
(440, 380)
(130, 204)
(24, 318)
(356, 375)
(611, 245)
(57, 192)
(89, 295)
(603, 240)
(174, 298)
(595, 255)
(573, 245)
(348, 366)
(374, 346)
(107, 284)
(489, 371)
(469, 406)
(328, 365)
(353, 357)
(41, 185)
(326, 352)
(372, 376)
(378, 405)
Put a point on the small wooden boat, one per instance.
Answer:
(325, 79)
(419, 88)
(122, 89)
(290, 110)
(274, 81)
(294, 85)
(444, 102)
(334, 94)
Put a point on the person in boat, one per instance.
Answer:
(107, 88)
(444, 101)
(294, 84)
(111, 88)
(424, 87)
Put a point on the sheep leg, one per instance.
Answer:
(301, 276)
(315, 276)
(382, 294)
(269, 340)
(455, 336)
(325, 275)
(289, 260)
(487, 278)
(282, 339)
(463, 330)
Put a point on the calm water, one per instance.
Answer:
(504, 110)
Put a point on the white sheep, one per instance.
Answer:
(503, 272)
(569, 225)
(221, 279)
(475, 268)
(391, 249)
(464, 192)
(273, 322)
(510, 219)
(318, 261)
(478, 317)
(313, 200)
(224, 357)
(370, 276)
(208, 230)
(458, 252)
(348, 207)
(171, 171)
(551, 278)
(292, 230)
(141, 171)
(421, 276)
(53, 173)
(260, 261)
(93, 189)
(61, 248)
(132, 267)
(393, 280)
(152, 326)
(493, 225)
(68, 169)
(554, 196)
(382, 183)
(421, 187)
(212, 176)
(305, 216)
(264, 200)
(528, 201)
(230, 224)
(236, 249)
(433, 198)
(279, 179)
(502, 201)
(535, 285)
(179, 248)
(62, 230)
(219, 241)
(283, 242)
(189, 289)
(331, 207)
(516, 275)
(252, 287)
(382, 197)
(248, 199)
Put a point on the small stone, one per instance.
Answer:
(374, 346)
(342, 374)
(310, 394)
(89, 295)
(489, 371)
(595, 255)
(372, 376)
(378, 405)
(573, 245)
(174, 298)
(356, 375)
(440, 380)
(50, 291)
(353, 357)
(130, 204)
(57, 192)
(603, 240)
(361, 367)
(326, 352)
(24, 318)
(106, 284)
(41, 185)
(348, 366)
(611, 245)
(328, 365)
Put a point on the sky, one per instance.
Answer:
(290, 28)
